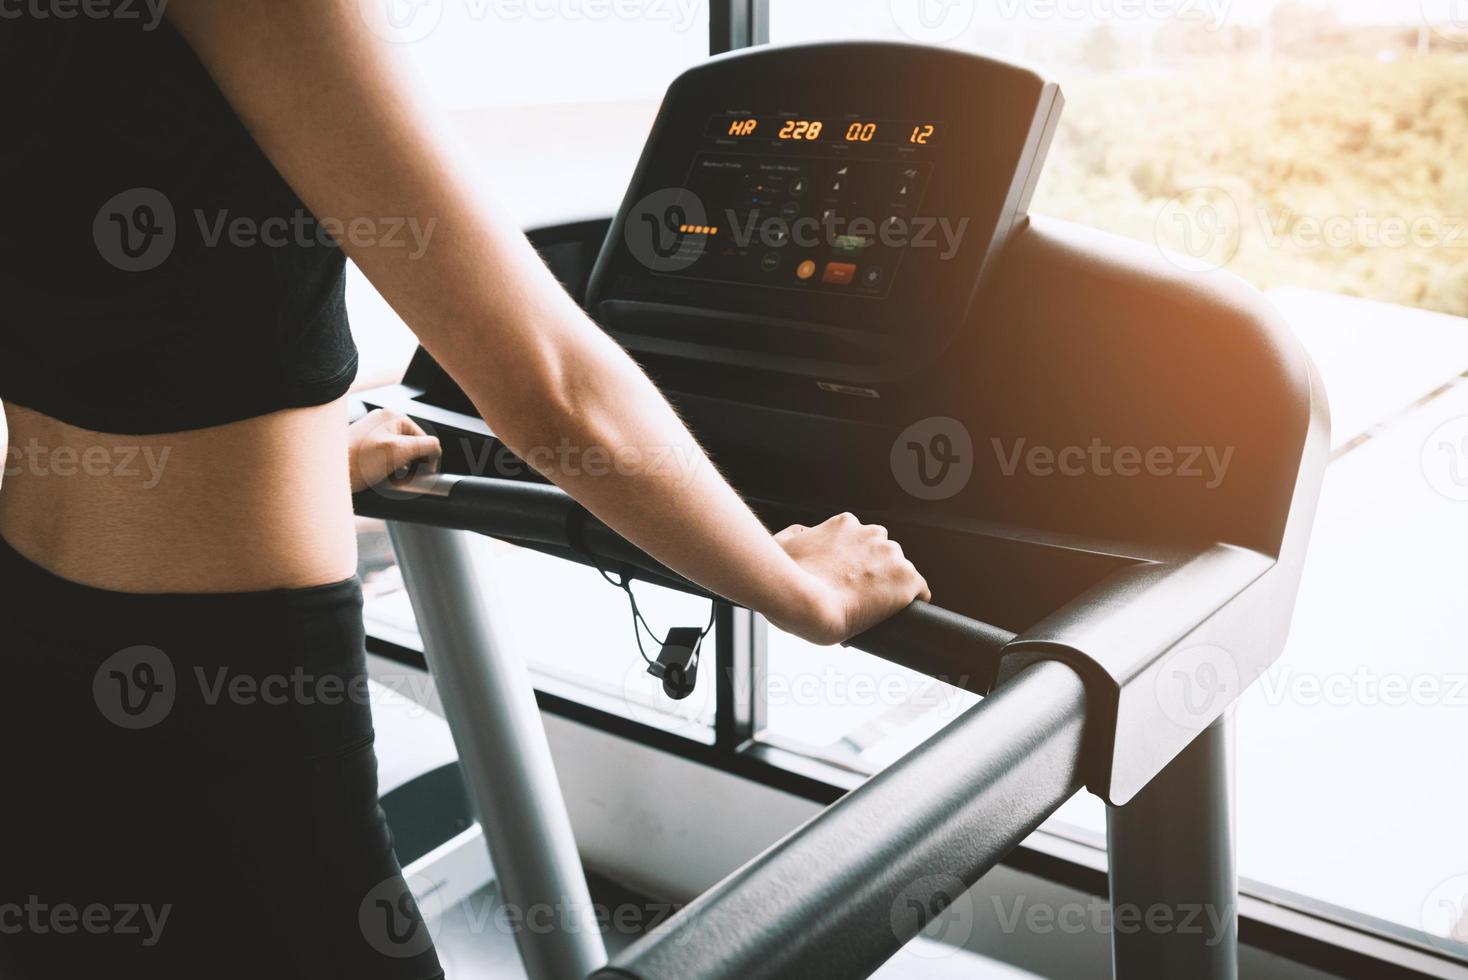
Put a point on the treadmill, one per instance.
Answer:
(1106, 468)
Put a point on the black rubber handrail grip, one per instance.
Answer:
(934, 641)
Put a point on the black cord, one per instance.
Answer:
(575, 536)
(639, 622)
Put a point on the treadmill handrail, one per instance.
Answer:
(1130, 635)
(842, 894)
(938, 642)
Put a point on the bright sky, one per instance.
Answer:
(806, 16)
(521, 52)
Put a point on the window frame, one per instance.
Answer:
(1298, 928)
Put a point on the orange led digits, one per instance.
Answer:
(802, 129)
(743, 127)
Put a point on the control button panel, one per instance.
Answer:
(833, 223)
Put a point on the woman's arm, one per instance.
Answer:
(336, 116)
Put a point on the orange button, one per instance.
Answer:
(839, 273)
(805, 270)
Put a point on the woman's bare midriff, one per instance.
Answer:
(251, 506)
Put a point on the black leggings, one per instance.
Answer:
(188, 788)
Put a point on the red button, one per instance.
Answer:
(839, 273)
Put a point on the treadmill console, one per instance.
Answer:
(824, 211)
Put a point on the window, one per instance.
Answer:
(551, 101)
(547, 102)
(849, 707)
(1313, 149)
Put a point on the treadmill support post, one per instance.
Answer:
(1174, 883)
(490, 704)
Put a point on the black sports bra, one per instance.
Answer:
(156, 273)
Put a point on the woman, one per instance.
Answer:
(176, 522)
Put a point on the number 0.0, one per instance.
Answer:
(861, 132)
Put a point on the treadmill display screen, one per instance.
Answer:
(801, 202)
(827, 211)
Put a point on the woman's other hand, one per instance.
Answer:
(383, 443)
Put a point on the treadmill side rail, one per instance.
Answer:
(841, 895)
(490, 705)
(1166, 649)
